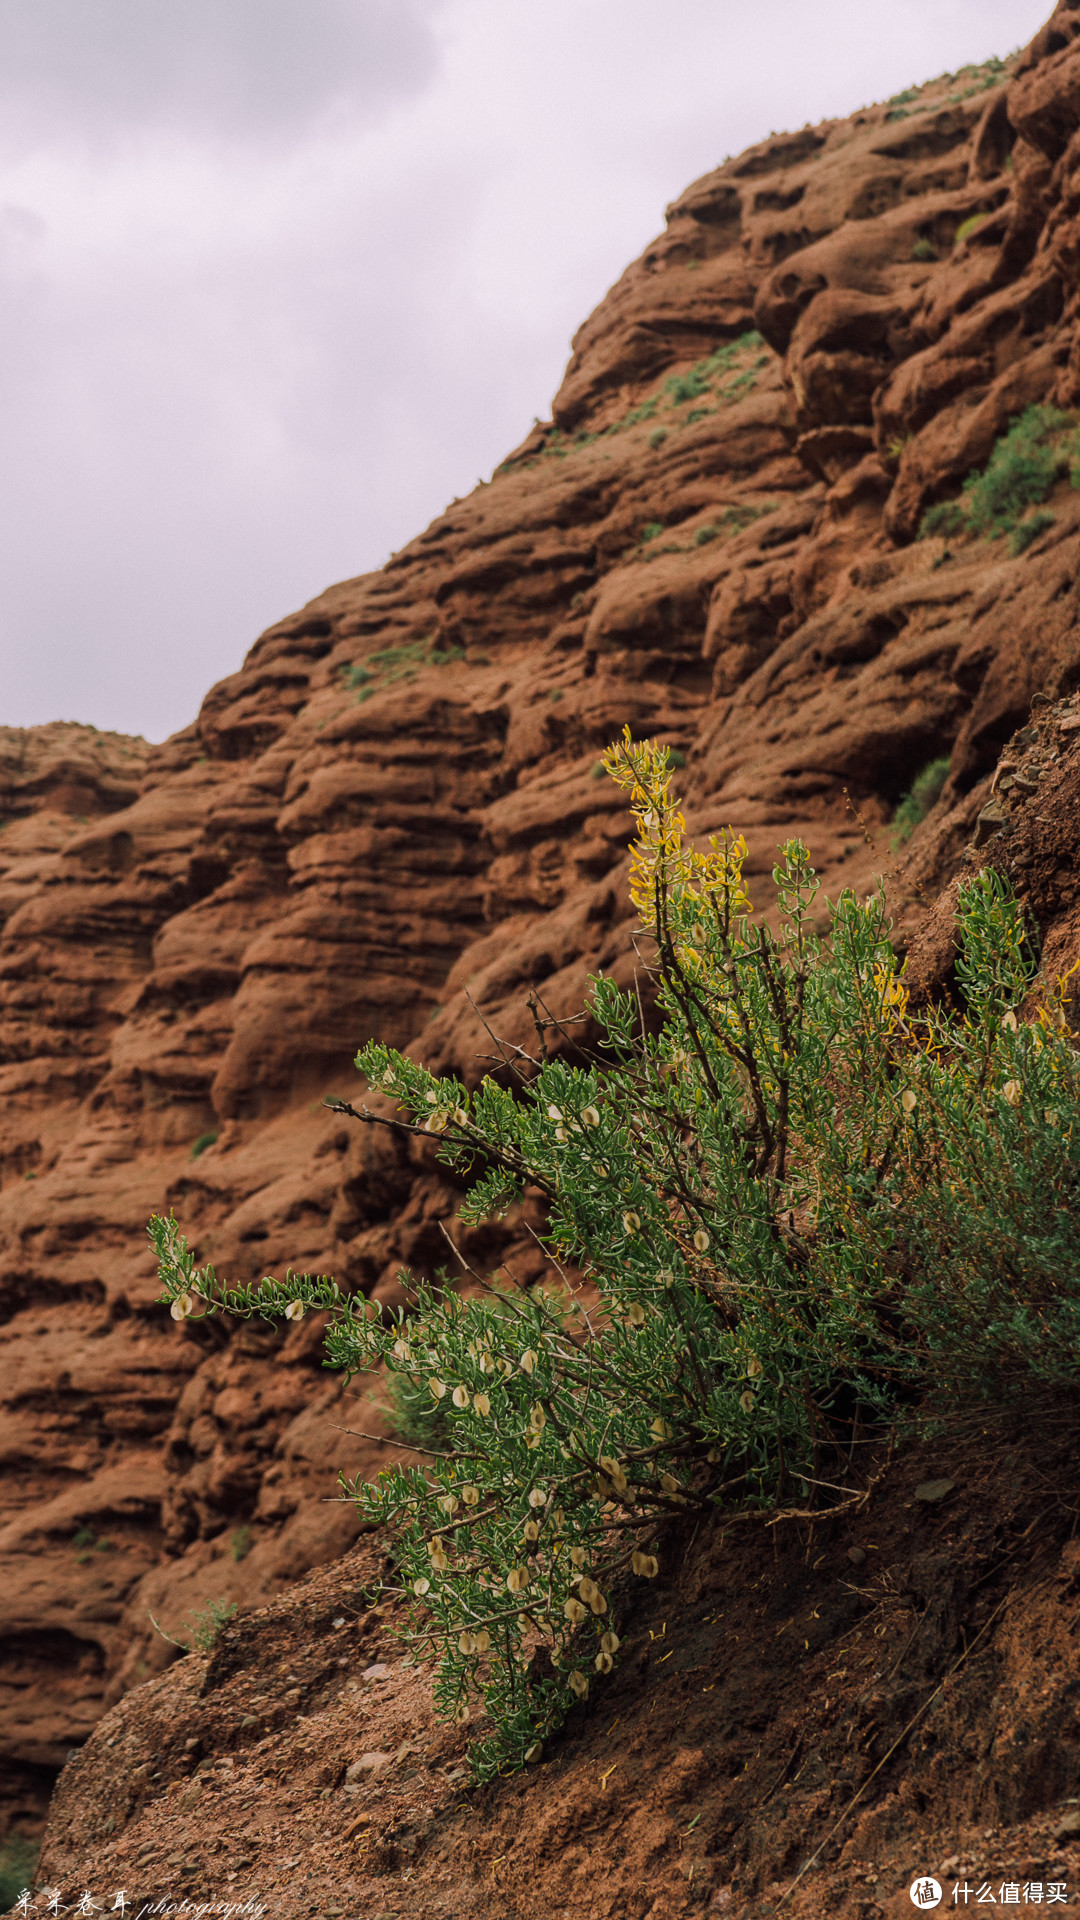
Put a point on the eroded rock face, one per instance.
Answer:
(390, 821)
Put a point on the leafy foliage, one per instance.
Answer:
(1040, 447)
(792, 1211)
(18, 1859)
(920, 797)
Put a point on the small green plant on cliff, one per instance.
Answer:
(18, 1860)
(789, 1212)
(1040, 448)
(200, 1145)
(401, 662)
(923, 794)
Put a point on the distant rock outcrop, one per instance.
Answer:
(391, 820)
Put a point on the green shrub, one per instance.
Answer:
(924, 250)
(1021, 471)
(657, 439)
(801, 1208)
(923, 794)
(651, 531)
(18, 1859)
(204, 1140)
(241, 1541)
(401, 662)
(703, 535)
(969, 226)
(1029, 529)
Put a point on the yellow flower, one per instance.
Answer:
(481, 1403)
(461, 1396)
(644, 1564)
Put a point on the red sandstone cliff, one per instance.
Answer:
(389, 821)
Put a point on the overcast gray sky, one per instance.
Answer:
(280, 278)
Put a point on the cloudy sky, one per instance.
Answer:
(282, 277)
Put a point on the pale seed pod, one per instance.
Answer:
(614, 1472)
(531, 1530)
(461, 1716)
(438, 1558)
(644, 1564)
(431, 1097)
(449, 1503)
(578, 1556)
(636, 1314)
(506, 1368)
(438, 1388)
(753, 1366)
(1008, 1021)
(481, 1403)
(579, 1684)
(465, 1643)
(527, 1363)
(534, 1753)
(485, 1362)
(747, 1401)
(669, 1483)
(603, 1663)
(554, 1113)
(538, 1418)
(908, 1100)
(574, 1612)
(561, 1135)
(295, 1310)
(598, 1604)
(660, 1429)
(182, 1306)
(471, 1496)
(461, 1396)
(1013, 1092)
(532, 1441)
(587, 1588)
(401, 1350)
(421, 1586)
(461, 1116)
(436, 1123)
(590, 1117)
(631, 1221)
(1050, 1117)
(701, 1241)
(481, 1641)
(517, 1579)
(538, 1497)
(610, 1643)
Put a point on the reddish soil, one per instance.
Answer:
(389, 822)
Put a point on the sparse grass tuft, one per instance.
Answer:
(204, 1140)
(1040, 447)
(923, 794)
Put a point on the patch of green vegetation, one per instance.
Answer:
(904, 99)
(703, 535)
(897, 113)
(401, 662)
(18, 1860)
(657, 439)
(241, 1541)
(969, 226)
(86, 1542)
(650, 531)
(1040, 447)
(924, 792)
(924, 250)
(204, 1140)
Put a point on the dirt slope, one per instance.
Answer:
(389, 820)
